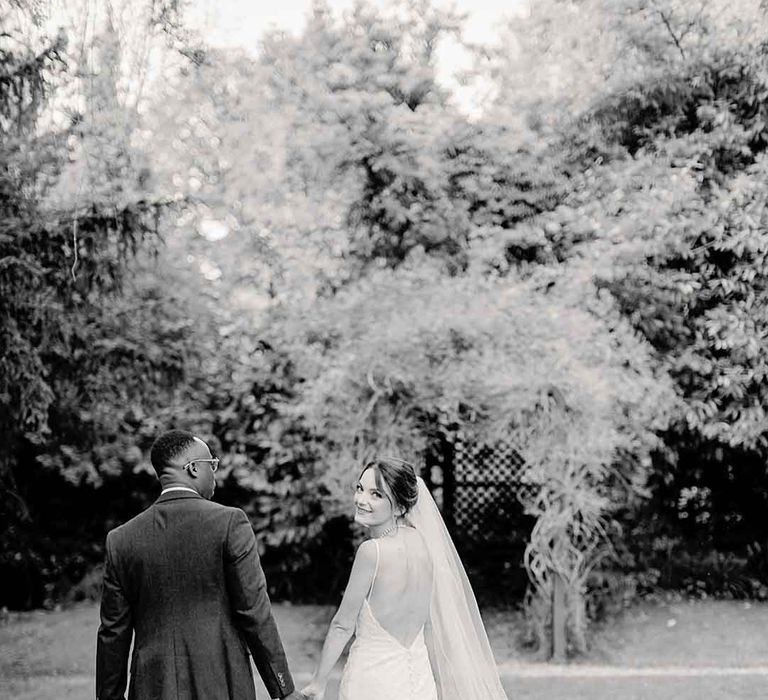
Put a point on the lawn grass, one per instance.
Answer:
(740, 688)
(686, 633)
(47, 655)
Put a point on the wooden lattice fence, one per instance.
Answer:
(484, 490)
(481, 490)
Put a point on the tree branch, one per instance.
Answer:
(671, 31)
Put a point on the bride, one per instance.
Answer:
(418, 631)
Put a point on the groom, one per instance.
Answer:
(184, 577)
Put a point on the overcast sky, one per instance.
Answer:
(235, 21)
(242, 22)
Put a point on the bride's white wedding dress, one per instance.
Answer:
(381, 667)
(425, 580)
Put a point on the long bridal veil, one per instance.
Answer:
(465, 667)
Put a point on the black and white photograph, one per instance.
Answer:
(384, 349)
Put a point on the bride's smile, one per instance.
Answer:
(373, 506)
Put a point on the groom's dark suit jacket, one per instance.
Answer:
(185, 577)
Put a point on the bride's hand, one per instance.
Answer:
(315, 690)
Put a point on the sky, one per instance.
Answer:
(242, 22)
(236, 21)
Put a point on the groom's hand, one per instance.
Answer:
(295, 695)
(313, 691)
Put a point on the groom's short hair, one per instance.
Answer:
(169, 445)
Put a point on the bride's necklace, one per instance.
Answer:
(386, 532)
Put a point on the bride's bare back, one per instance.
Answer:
(392, 596)
(386, 604)
(402, 585)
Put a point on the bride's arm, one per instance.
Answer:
(343, 623)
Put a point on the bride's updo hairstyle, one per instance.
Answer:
(396, 477)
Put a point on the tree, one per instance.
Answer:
(389, 362)
(71, 351)
(666, 213)
(565, 55)
(371, 82)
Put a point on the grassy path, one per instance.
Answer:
(686, 651)
(602, 687)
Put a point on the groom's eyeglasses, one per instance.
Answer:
(213, 462)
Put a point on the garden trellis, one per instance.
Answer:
(483, 488)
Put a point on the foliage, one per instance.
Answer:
(354, 267)
(403, 356)
(697, 290)
(371, 82)
(280, 195)
(667, 213)
(564, 55)
(75, 357)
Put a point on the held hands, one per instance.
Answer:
(314, 691)
(295, 695)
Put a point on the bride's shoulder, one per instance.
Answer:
(367, 550)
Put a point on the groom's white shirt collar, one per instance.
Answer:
(178, 488)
